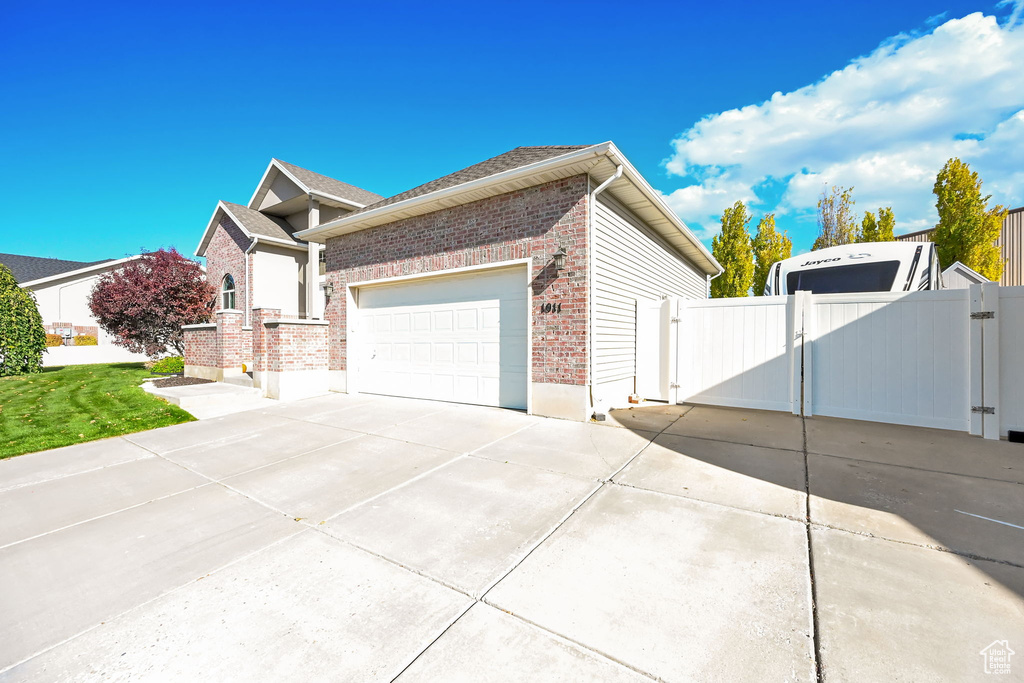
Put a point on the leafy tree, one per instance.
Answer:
(22, 337)
(836, 224)
(769, 247)
(967, 228)
(733, 250)
(145, 303)
(880, 229)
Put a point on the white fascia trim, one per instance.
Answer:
(275, 163)
(658, 200)
(593, 151)
(333, 198)
(259, 186)
(79, 272)
(441, 273)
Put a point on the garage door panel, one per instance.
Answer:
(458, 339)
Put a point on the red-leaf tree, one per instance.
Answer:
(145, 302)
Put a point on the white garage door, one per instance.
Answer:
(459, 338)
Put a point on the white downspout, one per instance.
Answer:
(712, 277)
(591, 205)
(248, 304)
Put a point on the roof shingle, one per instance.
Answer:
(256, 223)
(516, 158)
(29, 268)
(321, 183)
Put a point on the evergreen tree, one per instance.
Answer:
(967, 230)
(22, 337)
(769, 247)
(732, 249)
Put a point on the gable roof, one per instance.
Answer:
(516, 158)
(252, 223)
(525, 167)
(966, 272)
(256, 223)
(313, 183)
(30, 268)
(329, 186)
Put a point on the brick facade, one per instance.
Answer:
(235, 343)
(296, 346)
(201, 346)
(532, 223)
(259, 336)
(226, 254)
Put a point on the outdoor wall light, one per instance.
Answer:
(328, 290)
(559, 258)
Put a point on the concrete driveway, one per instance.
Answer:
(370, 538)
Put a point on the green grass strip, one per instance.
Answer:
(78, 403)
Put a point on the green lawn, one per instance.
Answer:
(76, 403)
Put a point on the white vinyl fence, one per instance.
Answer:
(950, 359)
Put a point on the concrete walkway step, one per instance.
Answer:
(211, 400)
(243, 380)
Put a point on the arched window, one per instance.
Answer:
(227, 291)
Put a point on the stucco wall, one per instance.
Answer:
(278, 279)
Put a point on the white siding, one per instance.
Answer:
(630, 262)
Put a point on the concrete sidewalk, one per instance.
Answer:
(371, 538)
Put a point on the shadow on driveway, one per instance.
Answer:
(916, 536)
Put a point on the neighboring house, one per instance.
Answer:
(514, 282)
(62, 290)
(252, 253)
(1010, 242)
(959, 276)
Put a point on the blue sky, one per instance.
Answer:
(124, 124)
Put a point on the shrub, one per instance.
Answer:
(22, 337)
(54, 340)
(85, 340)
(169, 365)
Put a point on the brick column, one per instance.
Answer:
(232, 350)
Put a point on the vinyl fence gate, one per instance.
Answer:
(949, 359)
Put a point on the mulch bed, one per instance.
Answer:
(180, 382)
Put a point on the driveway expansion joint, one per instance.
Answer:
(815, 625)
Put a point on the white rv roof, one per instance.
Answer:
(864, 252)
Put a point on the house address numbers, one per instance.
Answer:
(551, 308)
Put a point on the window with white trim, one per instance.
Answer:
(227, 292)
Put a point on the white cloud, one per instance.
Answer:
(885, 125)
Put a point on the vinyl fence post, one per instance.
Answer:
(974, 360)
(675, 322)
(990, 362)
(807, 346)
(794, 323)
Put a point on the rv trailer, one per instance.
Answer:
(863, 267)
